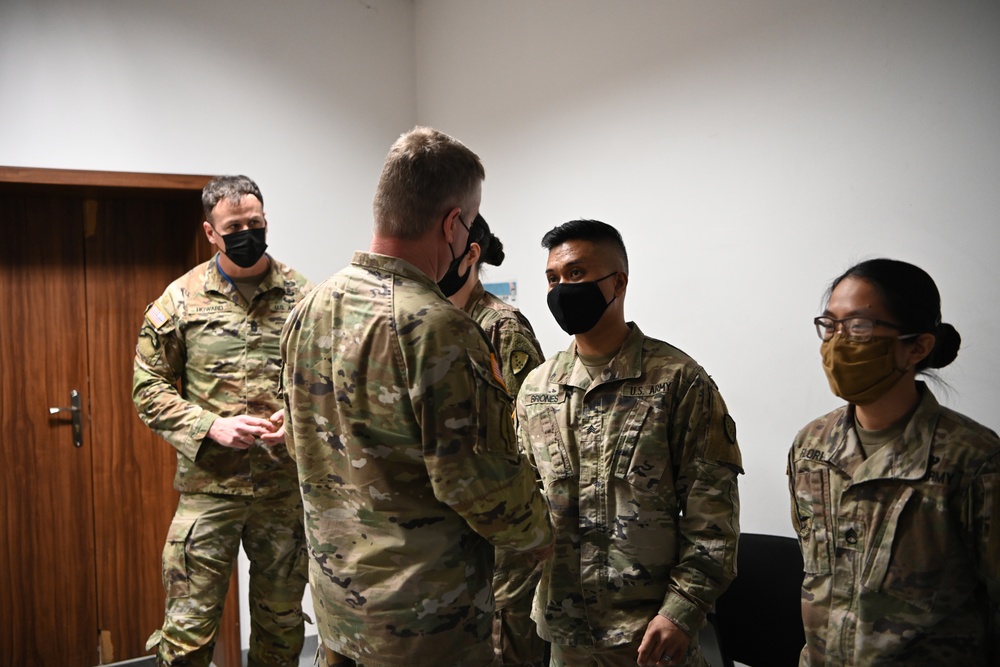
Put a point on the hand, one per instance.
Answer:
(239, 432)
(663, 644)
(277, 436)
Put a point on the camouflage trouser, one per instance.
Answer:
(331, 658)
(515, 641)
(198, 559)
(616, 656)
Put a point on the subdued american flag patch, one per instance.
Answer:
(155, 316)
(495, 366)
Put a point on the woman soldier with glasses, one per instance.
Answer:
(896, 499)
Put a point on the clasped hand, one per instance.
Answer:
(241, 431)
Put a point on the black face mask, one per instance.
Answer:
(247, 247)
(452, 282)
(578, 307)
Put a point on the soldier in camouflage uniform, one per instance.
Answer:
(638, 460)
(214, 333)
(401, 428)
(895, 498)
(515, 639)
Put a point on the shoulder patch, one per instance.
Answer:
(155, 316)
(730, 425)
(518, 360)
(721, 445)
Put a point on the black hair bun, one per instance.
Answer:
(946, 346)
(494, 253)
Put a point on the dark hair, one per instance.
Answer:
(233, 188)
(587, 230)
(912, 298)
(490, 246)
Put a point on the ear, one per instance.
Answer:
(621, 282)
(472, 257)
(450, 220)
(209, 231)
(919, 348)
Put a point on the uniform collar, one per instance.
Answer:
(400, 267)
(216, 279)
(627, 364)
(906, 458)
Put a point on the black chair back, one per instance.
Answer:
(758, 619)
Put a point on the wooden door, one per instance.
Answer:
(135, 246)
(120, 239)
(47, 556)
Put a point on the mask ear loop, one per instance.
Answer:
(614, 293)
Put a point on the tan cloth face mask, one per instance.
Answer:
(861, 373)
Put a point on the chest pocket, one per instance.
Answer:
(642, 453)
(549, 445)
(215, 343)
(812, 488)
(908, 556)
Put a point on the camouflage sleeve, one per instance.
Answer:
(707, 459)
(470, 449)
(288, 340)
(157, 370)
(286, 381)
(520, 417)
(982, 518)
(519, 354)
(793, 506)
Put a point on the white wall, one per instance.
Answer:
(304, 96)
(749, 152)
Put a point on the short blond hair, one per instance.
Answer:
(425, 174)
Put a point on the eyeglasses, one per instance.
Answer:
(857, 329)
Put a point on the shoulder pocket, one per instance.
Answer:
(721, 445)
(156, 325)
(495, 412)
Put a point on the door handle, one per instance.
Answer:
(76, 413)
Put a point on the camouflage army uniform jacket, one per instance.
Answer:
(639, 467)
(510, 333)
(224, 354)
(514, 341)
(901, 550)
(408, 465)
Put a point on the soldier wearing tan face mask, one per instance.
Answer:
(894, 497)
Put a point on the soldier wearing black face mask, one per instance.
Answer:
(453, 280)
(638, 460)
(216, 330)
(515, 641)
